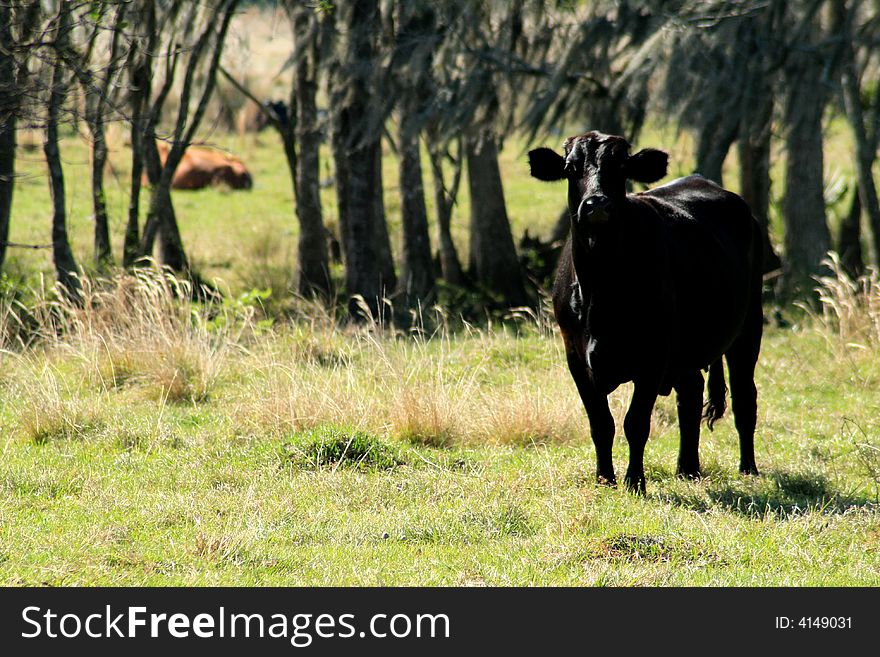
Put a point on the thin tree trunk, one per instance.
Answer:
(417, 269)
(131, 243)
(171, 252)
(444, 199)
(96, 110)
(807, 239)
(8, 109)
(103, 252)
(14, 77)
(338, 130)
(713, 144)
(65, 265)
(755, 130)
(383, 239)
(140, 65)
(161, 219)
(415, 40)
(7, 179)
(754, 167)
(335, 91)
(865, 150)
(849, 242)
(493, 260)
(160, 199)
(314, 274)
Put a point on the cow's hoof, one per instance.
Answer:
(635, 484)
(610, 481)
(689, 473)
(748, 469)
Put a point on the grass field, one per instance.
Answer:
(145, 441)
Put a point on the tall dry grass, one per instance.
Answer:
(435, 389)
(139, 336)
(850, 309)
(138, 328)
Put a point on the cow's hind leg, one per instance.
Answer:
(601, 422)
(741, 360)
(637, 426)
(689, 398)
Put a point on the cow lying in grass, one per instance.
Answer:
(201, 167)
(654, 288)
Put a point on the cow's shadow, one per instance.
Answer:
(776, 493)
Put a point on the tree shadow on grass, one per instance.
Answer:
(777, 493)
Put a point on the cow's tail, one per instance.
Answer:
(717, 394)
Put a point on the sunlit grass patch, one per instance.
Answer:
(334, 447)
(45, 485)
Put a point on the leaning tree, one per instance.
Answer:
(195, 35)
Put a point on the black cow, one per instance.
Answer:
(653, 288)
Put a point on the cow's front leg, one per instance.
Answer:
(637, 426)
(601, 422)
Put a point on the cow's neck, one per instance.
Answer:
(595, 252)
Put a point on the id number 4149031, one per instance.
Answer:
(814, 623)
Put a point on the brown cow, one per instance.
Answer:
(201, 167)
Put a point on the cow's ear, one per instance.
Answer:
(546, 164)
(647, 166)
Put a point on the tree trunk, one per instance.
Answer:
(415, 40)
(96, 98)
(65, 264)
(171, 252)
(314, 273)
(8, 109)
(754, 167)
(340, 174)
(7, 174)
(131, 244)
(335, 91)
(417, 269)
(807, 239)
(756, 122)
(358, 159)
(865, 149)
(362, 270)
(103, 252)
(493, 260)
(14, 74)
(444, 199)
(713, 144)
(849, 243)
(140, 61)
(383, 239)
(161, 219)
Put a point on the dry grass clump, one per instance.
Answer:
(437, 390)
(141, 328)
(524, 416)
(850, 308)
(51, 412)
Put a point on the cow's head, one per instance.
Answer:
(234, 174)
(597, 167)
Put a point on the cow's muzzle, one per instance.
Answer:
(594, 210)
